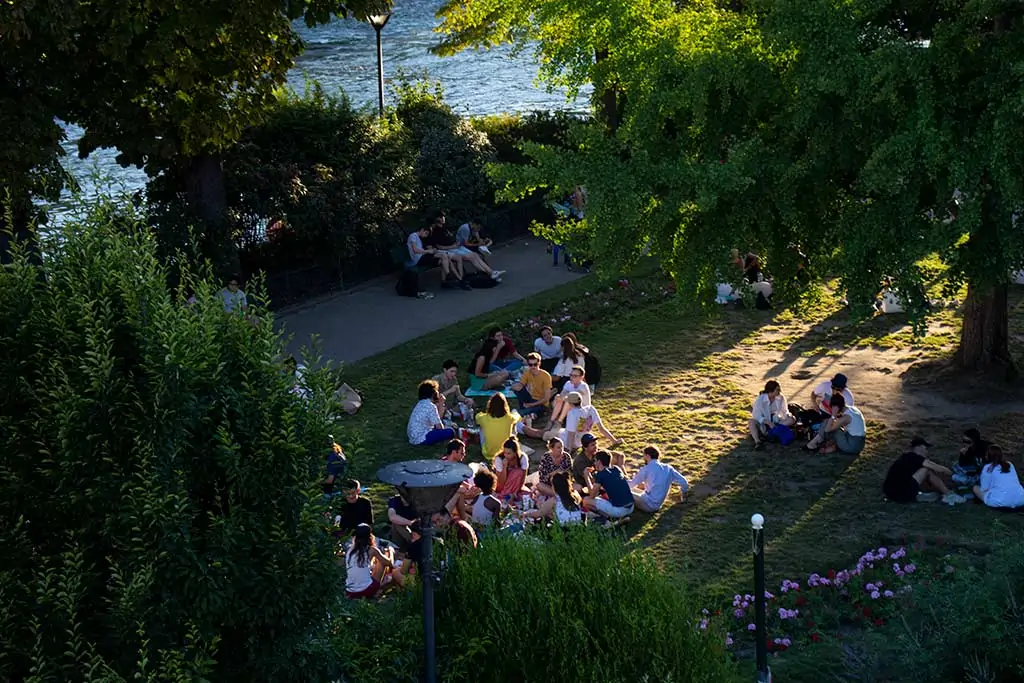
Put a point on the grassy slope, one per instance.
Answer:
(673, 378)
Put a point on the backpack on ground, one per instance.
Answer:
(593, 366)
(408, 283)
(481, 281)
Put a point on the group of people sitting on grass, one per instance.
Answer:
(836, 425)
(433, 246)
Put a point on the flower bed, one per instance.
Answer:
(828, 605)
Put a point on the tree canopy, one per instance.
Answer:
(865, 134)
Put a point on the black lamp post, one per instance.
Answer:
(378, 21)
(426, 485)
(764, 674)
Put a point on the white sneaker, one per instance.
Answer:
(485, 250)
(496, 274)
(953, 499)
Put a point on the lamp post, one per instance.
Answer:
(426, 485)
(764, 675)
(378, 21)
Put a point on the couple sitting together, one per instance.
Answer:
(453, 256)
(840, 425)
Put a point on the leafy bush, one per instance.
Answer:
(575, 606)
(507, 131)
(158, 509)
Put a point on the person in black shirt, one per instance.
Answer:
(913, 472)
(401, 516)
(355, 509)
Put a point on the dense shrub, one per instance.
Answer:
(579, 606)
(506, 132)
(158, 507)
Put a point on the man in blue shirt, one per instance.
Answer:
(611, 481)
(655, 480)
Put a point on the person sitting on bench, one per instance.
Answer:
(549, 346)
(460, 254)
(468, 235)
(428, 257)
(481, 377)
(534, 388)
(425, 427)
(845, 431)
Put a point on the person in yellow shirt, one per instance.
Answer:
(496, 425)
(534, 389)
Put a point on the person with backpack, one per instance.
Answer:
(770, 410)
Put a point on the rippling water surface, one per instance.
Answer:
(342, 54)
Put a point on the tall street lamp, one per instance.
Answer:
(764, 674)
(426, 485)
(378, 21)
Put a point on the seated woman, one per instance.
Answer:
(564, 507)
(556, 459)
(570, 357)
(480, 376)
(496, 425)
(967, 470)
(1000, 487)
(770, 409)
(511, 467)
(560, 407)
(366, 566)
(486, 508)
(844, 431)
(425, 427)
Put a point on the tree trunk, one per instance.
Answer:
(608, 104)
(984, 338)
(203, 180)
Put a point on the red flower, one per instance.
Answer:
(810, 624)
(801, 601)
(831, 573)
(879, 622)
(586, 323)
(815, 638)
(867, 611)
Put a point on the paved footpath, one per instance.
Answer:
(372, 318)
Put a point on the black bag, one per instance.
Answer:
(481, 281)
(408, 283)
(593, 369)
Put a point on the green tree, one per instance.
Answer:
(158, 498)
(866, 134)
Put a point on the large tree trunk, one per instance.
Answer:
(203, 180)
(609, 104)
(984, 338)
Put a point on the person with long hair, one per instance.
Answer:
(1000, 486)
(770, 409)
(570, 356)
(481, 377)
(497, 423)
(510, 466)
(366, 565)
(568, 504)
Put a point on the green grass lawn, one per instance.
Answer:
(685, 381)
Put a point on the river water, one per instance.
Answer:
(342, 55)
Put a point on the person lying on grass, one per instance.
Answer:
(481, 378)
(367, 568)
(610, 480)
(653, 482)
(1000, 487)
(845, 431)
(914, 473)
(425, 427)
(770, 409)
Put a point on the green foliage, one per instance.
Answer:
(158, 499)
(573, 606)
(507, 132)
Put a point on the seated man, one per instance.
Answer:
(460, 253)
(469, 236)
(654, 480)
(534, 389)
(549, 346)
(822, 394)
(401, 516)
(451, 392)
(582, 420)
(845, 431)
(913, 473)
(583, 465)
(425, 427)
(355, 509)
(505, 355)
(428, 257)
(463, 531)
(609, 479)
(560, 407)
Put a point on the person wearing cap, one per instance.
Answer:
(824, 392)
(610, 480)
(845, 431)
(914, 473)
(355, 509)
(653, 482)
(366, 565)
(581, 421)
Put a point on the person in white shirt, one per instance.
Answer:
(425, 427)
(232, 297)
(560, 406)
(582, 420)
(770, 409)
(845, 431)
(1000, 487)
(549, 346)
(570, 356)
(460, 252)
(652, 483)
(822, 393)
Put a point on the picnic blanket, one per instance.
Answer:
(477, 393)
